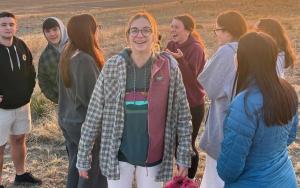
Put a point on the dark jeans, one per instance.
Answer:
(96, 179)
(197, 117)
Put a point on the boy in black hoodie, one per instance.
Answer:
(17, 81)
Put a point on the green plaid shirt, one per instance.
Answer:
(47, 71)
(106, 115)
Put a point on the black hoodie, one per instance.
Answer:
(17, 75)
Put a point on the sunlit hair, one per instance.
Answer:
(81, 31)
(276, 30)
(256, 56)
(153, 24)
(233, 22)
(190, 25)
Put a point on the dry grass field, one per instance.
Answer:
(47, 157)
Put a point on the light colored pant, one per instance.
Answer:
(14, 122)
(211, 178)
(145, 176)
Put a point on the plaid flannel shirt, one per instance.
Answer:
(106, 114)
(47, 73)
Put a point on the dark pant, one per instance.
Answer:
(197, 117)
(96, 179)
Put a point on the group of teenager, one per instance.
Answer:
(132, 116)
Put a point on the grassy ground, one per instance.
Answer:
(46, 151)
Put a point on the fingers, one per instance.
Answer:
(172, 53)
(83, 174)
(182, 171)
(167, 50)
(179, 53)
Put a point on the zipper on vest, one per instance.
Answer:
(149, 137)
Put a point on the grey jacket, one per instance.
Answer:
(217, 79)
(73, 102)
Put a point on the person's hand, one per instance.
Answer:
(1, 98)
(177, 54)
(83, 174)
(182, 171)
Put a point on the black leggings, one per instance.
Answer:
(197, 117)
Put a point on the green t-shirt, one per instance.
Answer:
(135, 139)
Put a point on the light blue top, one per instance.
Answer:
(280, 64)
(252, 154)
(217, 79)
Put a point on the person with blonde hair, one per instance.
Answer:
(79, 68)
(139, 106)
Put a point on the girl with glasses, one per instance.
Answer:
(138, 106)
(217, 79)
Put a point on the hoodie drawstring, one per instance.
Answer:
(19, 65)
(11, 63)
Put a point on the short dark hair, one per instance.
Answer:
(50, 23)
(7, 14)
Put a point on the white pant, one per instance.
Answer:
(211, 178)
(145, 176)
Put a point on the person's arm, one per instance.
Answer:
(218, 71)
(31, 71)
(184, 126)
(193, 64)
(91, 127)
(293, 132)
(239, 130)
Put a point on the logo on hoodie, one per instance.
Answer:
(24, 57)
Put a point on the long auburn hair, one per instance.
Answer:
(81, 31)
(189, 24)
(276, 30)
(256, 56)
(153, 23)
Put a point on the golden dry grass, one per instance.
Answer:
(46, 151)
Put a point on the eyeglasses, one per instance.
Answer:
(145, 31)
(218, 29)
